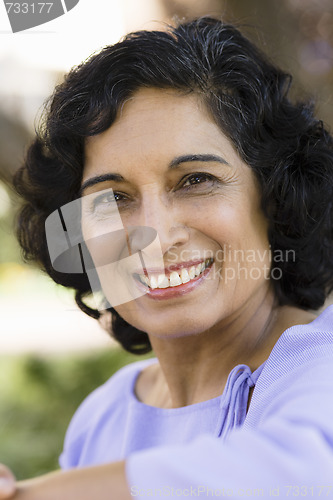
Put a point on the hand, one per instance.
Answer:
(7, 483)
(99, 482)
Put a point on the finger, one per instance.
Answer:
(7, 482)
(7, 488)
(6, 473)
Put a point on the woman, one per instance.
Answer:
(189, 136)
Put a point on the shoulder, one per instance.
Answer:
(118, 387)
(302, 344)
(300, 362)
(307, 341)
(113, 396)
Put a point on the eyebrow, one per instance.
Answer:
(101, 178)
(197, 157)
(174, 164)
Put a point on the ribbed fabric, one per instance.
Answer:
(285, 439)
(112, 423)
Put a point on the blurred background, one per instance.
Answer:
(51, 355)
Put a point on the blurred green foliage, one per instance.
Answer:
(38, 397)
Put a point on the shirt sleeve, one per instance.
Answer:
(288, 453)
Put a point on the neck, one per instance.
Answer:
(195, 368)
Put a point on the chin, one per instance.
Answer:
(176, 328)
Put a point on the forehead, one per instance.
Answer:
(155, 122)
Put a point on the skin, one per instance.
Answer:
(104, 482)
(7, 482)
(198, 207)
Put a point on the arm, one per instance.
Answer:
(288, 453)
(104, 482)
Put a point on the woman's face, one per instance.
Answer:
(172, 169)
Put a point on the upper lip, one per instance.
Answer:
(170, 268)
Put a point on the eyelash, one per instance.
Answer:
(98, 202)
(197, 175)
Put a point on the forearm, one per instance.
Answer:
(104, 482)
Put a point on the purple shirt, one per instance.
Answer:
(282, 447)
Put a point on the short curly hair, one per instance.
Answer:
(289, 150)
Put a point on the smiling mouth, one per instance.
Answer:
(174, 278)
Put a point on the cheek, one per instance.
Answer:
(241, 238)
(221, 222)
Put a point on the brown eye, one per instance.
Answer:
(198, 178)
(108, 199)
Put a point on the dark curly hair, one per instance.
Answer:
(288, 149)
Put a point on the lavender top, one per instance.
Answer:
(214, 448)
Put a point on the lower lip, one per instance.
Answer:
(175, 291)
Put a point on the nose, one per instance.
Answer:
(156, 211)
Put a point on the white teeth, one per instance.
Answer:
(175, 279)
(198, 269)
(184, 276)
(191, 272)
(162, 281)
(153, 282)
(145, 280)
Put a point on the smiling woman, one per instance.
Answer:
(205, 217)
(171, 168)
